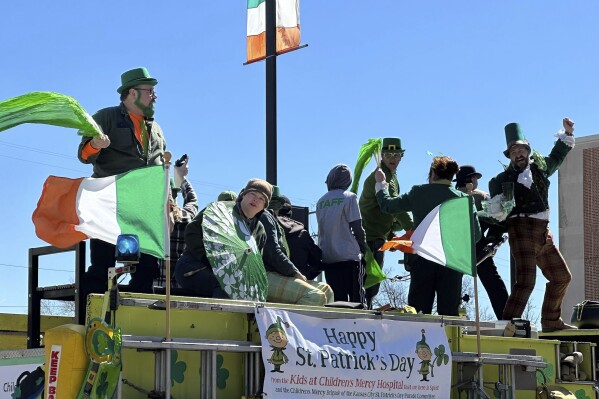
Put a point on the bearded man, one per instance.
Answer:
(131, 140)
(525, 185)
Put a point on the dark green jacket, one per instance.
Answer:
(194, 235)
(535, 199)
(124, 153)
(376, 223)
(275, 254)
(422, 199)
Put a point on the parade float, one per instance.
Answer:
(127, 345)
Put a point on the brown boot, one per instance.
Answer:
(556, 325)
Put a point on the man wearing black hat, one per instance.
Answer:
(531, 242)
(467, 182)
(379, 226)
(131, 140)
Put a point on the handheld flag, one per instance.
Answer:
(445, 236)
(72, 210)
(287, 27)
(372, 148)
(47, 108)
(374, 274)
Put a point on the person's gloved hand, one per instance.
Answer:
(379, 175)
(100, 142)
(181, 173)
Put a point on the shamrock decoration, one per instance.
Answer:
(581, 394)
(102, 386)
(222, 374)
(548, 371)
(177, 369)
(440, 356)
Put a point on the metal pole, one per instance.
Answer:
(271, 92)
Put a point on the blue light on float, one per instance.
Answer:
(127, 248)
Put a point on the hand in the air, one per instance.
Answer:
(568, 126)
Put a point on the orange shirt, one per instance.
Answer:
(140, 129)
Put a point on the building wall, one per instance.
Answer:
(578, 194)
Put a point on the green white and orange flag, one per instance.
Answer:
(447, 236)
(72, 210)
(287, 27)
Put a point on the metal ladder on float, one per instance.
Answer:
(208, 362)
(470, 376)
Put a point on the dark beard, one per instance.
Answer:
(518, 168)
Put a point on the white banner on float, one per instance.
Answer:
(312, 357)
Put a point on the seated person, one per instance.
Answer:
(285, 282)
(179, 219)
(193, 270)
(303, 251)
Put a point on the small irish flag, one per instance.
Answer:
(287, 27)
(445, 236)
(72, 210)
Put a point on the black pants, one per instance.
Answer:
(379, 256)
(346, 280)
(429, 278)
(95, 279)
(492, 281)
(198, 278)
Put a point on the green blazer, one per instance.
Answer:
(422, 199)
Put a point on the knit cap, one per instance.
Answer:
(261, 186)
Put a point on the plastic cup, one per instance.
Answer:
(508, 190)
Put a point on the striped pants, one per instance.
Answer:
(531, 244)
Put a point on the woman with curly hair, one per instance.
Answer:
(428, 278)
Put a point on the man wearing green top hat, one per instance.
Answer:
(131, 140)
(379, 226)
(526, 180)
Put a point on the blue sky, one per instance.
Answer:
(444, 76)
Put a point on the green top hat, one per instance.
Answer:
(514, 136)
(392, 144)
(134, 77)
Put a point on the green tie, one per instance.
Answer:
(144, 137)
(393, 186)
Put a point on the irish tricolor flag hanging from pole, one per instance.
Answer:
(287, 27)
(445, 236)
(72, 210)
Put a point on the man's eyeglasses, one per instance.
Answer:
(389, 155)
(151, 92)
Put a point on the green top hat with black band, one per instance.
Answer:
(134, 77)
(514, 136)
(392, 144)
